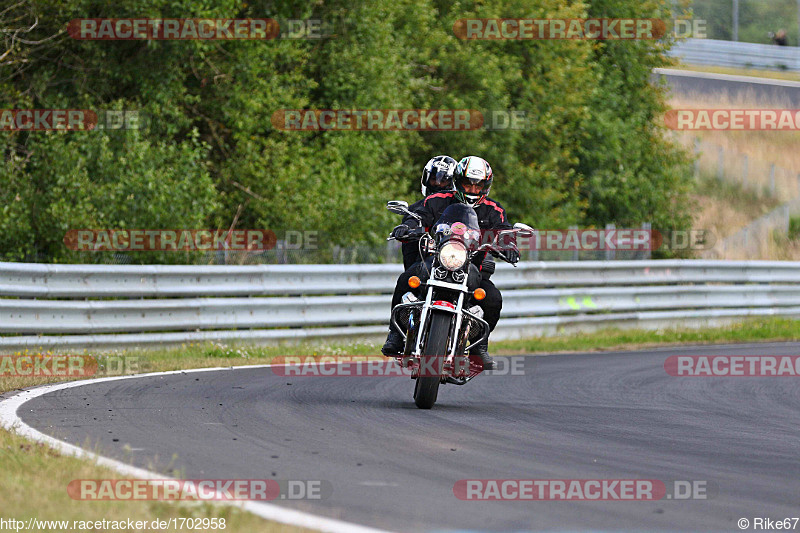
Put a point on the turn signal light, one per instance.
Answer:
(414, 282)
(479, 294)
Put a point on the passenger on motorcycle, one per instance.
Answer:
(437, 176)
(472, 181)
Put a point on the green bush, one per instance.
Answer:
(794, 228)
(594, 151)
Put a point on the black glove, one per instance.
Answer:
(512, 254)
(487, 266)
(400, 232)
(403, 232)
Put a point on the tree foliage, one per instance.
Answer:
(594, 151)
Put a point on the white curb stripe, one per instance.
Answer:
(12, 422)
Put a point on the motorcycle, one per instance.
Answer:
(440, 329)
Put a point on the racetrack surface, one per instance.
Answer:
(613, 415)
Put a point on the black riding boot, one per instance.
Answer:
(482, 351)
(394, 345)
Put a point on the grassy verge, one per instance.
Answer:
(33, 484)
(34, 478)
(756, 330)
(773, 74)
(216, 355)
(723, 207)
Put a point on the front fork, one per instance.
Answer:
(457, 340)
(454, 339)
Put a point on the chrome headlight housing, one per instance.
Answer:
(453, 255)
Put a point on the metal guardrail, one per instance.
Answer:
(132, 306)
(737, 54)
(29, 280)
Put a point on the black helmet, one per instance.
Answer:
(472, 171)
(438, 175)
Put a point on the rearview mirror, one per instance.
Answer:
(524, 230)
(396, 203)
(397, 206)
(401, 208)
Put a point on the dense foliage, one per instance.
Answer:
(594, 151)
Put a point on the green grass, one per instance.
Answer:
(740, 198)
(754, 330)
(774, 74)
(34, 479)
(794, 228)
(219, 355)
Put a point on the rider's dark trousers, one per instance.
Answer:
(491, 305)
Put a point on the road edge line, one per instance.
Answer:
(12, 422)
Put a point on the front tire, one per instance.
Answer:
(427, 388)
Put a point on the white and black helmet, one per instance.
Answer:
(438, 175)
(472, 180)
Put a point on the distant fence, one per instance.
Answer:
(761, 177)
(109, 306)
(753, 239)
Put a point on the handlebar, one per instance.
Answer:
(419, 234)
(415, 235)
(499, 252)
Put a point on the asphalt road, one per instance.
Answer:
(580, 416)
(732, 88)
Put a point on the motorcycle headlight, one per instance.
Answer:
(453, 255)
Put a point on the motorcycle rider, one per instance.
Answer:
(437, 176)
(472, 180)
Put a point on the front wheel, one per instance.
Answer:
(427, 388)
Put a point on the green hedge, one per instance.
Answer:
(594, 151)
